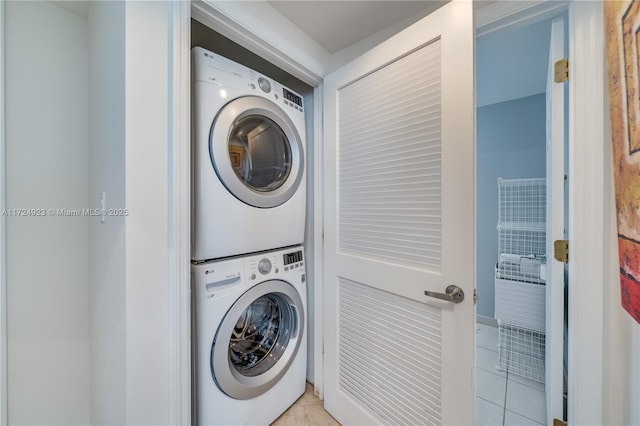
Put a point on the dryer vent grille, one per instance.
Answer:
(389, 354)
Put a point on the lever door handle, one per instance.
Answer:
(453, 293)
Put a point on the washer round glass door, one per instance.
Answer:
(258, 339)
(256, 151)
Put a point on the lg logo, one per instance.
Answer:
(209, 271)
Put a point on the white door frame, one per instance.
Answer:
(586, 191)
(586, 197)
(179, 204)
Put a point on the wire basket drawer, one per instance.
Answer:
(521, 351)
(521, 304)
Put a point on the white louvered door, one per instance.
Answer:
(399, 219)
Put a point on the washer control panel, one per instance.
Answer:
(275, 265)
(217, 278)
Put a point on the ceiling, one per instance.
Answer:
(336, 25)
(75, 6)
(510, 64)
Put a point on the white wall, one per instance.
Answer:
(510, 144)
(131, 317)
(107, 240)
(130, 289)
(358, 48)
(46, 148)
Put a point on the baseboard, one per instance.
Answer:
(481, 319)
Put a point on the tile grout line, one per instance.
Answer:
(528, 385)
(516, 412)
(504, 411)
(495, 371)
(523, 416)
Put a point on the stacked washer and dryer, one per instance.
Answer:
(248, 219)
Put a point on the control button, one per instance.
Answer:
(286, 268)
(253, 276)
(253, 86)
(264, 84)
(264, 266)
(276, 270)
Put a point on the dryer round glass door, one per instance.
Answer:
(257, 151)
(258, 339)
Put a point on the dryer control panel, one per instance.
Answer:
(212, 68)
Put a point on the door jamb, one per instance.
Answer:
(318, 243)
(179, 212)
(586, 213)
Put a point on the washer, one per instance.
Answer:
(250, 349)
(248, 157)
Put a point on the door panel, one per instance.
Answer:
(554, 373)
(392, 345)
(399, 220)
(399, 114)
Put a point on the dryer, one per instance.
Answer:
(250, 349)
(248, 160)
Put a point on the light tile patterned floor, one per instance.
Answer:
(501, 399)
(306, 411)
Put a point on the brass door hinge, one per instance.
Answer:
(561, 250)
(561, 71)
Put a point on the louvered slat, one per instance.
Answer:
(389, 162)
(389, 354)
